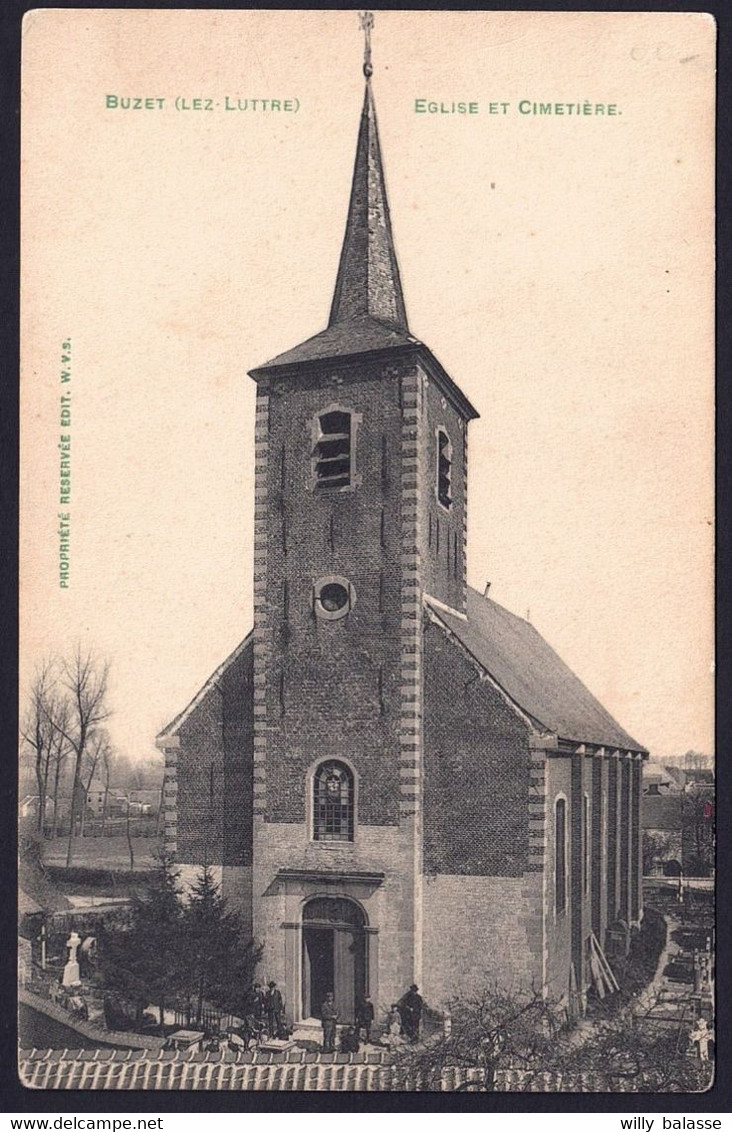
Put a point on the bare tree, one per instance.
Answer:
(108, 762)
(697, 818)
(492, 1029)
(635, 1051)
(84, 677)
(655, 847)
(98, 744)
(37, 732)
(499, 1031)
(60, 749)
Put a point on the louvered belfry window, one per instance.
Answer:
(333, 803)
(444, 469)
(332, 454)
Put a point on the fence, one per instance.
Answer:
(146, 825)
(209, 1019)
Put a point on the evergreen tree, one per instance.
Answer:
(220, 959)
(145, 962)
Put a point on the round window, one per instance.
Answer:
(333, 597)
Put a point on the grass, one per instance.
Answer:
(102, 852)
(82, 880)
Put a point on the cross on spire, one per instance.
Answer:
(366, 21)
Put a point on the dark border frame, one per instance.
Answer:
(13, 1096)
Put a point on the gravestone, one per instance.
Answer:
(71, 970)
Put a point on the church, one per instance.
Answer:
(397, 780)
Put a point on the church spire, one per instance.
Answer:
(368, 283)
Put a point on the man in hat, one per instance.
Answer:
(329, 1018)
(273, 1006)
(410, 1012)
(364, 1017)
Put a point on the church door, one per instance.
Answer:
(334, 956)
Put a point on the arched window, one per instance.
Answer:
(444, 469)
(332, 448)
(560, 855)
(586, 841)
(333, 802)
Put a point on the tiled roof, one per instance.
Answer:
(296, 1071)
(531, 674)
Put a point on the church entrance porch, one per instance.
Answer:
(334, 956)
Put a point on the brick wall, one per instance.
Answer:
(443, 531)
(477, 769)
(479, 931)
(333, 687)
(214, 772)
(581, 865)
(346, 688)
(636, 856)
(597, 896)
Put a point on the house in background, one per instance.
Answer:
(95, 794)
(678, 820)
(145, 802)
(662, 822)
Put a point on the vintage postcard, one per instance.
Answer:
(366, 552)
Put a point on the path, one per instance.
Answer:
(670, 995)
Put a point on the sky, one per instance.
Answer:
(559, 265)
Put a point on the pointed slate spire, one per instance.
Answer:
(367, 316)
(368, 283)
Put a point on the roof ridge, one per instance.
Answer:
(205, 688)
(532, 674)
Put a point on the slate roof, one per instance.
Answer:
(532, 675)
(177, 722)
(662, 811)
(367, 314)
(294, 1071)
(344, 339)
(368, 280)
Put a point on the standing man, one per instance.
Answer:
(254, 1012)
(273, 1006)
(410, 1012)
(329, 1017)
(258, 1008)
(364, 1017)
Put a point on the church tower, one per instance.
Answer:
(360, 511)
